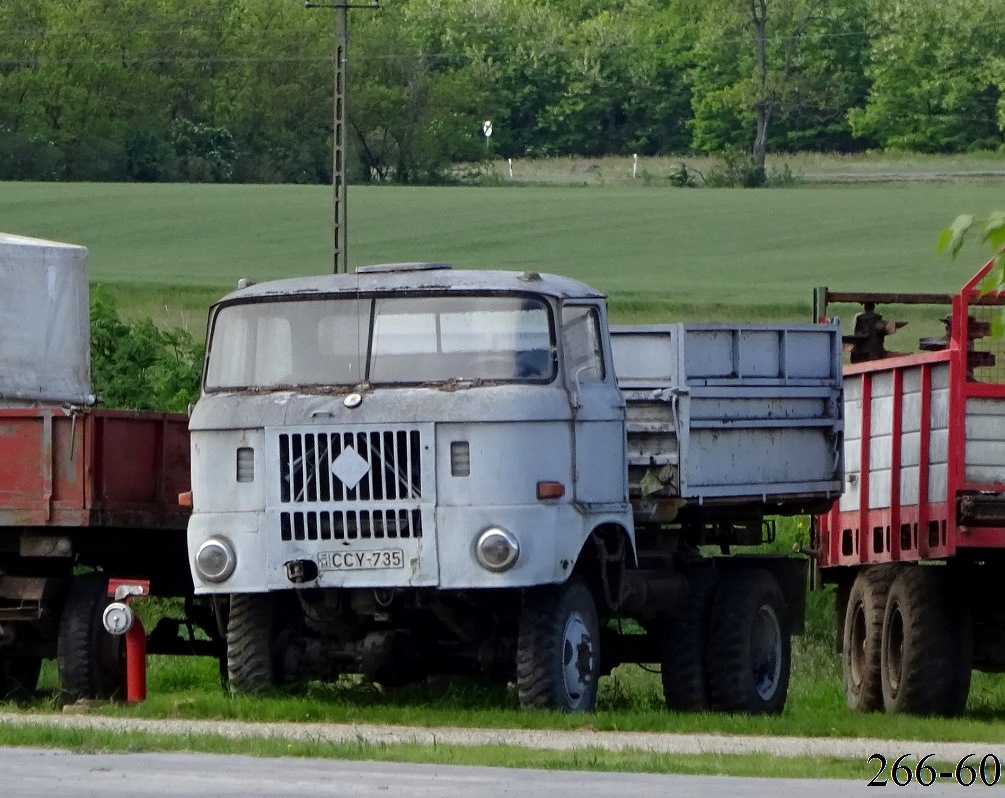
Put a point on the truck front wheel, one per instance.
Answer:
(558, 651)
(750, 647)
(251, 654)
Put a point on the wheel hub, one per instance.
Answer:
(895, 649)
(766, 652)
(577, 658)
(856, 654)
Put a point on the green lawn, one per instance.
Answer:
(660, 253)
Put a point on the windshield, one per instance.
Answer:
(394, 340)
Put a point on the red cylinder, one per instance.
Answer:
(136, 663)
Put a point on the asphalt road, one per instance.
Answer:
(38, 773)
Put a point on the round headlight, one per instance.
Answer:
(497, 549)
(215, 561)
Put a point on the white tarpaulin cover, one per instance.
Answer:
(44, 321)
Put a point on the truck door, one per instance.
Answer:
(600, 476)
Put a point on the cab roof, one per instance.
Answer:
(419, 278)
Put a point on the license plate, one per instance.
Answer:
(369, 560)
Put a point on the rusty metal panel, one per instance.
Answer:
(140, 463)
(92, 468)
(25, 467)
(68, 468)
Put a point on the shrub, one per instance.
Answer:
(137, 366)
(738, 170)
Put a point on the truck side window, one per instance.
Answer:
(581, 343)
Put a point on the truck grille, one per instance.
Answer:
(351, 525)
(379, 471)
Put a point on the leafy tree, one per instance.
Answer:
(203, 154)
(626, 86)
(410, 114)
(276, 92)
(936, 85)
(514, 49)
(758, 61)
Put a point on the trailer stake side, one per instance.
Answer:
(916, 542)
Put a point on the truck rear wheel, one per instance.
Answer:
(683, 642)
(251, 650)
(558, 650)
(927, 648)
(750, 647)
(91, 661)
(862, 637)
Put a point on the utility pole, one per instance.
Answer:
(340, 259)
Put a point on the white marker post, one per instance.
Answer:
(487, 131)
(635, 165)
(510, 160)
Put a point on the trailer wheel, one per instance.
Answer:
(683, 642)
(91, 661)
(750, 646)
(862, 637)
(927, 648)
(558, 650)
(251, 650)
(20, 677)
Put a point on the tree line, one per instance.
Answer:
(241, 90)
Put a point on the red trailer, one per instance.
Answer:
(916, 543)
(85, 494)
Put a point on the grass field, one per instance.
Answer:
(661, 254)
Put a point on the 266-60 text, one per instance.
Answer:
(986, 771)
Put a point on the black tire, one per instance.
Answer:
(558, 650)
(927, 649)
(19, 677)
(91, 662)
(252, 665)
(862, 637)
(683, 646)
(749, 646)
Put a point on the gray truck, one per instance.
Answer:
(413, 470)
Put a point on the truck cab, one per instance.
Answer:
(350, 432)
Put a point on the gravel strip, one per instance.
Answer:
(842, 748)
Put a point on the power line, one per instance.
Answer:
(78, 33)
